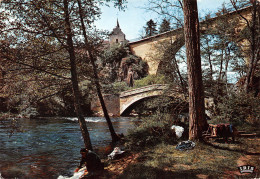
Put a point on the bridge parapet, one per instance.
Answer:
(143, 89)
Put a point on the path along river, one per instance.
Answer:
(49, 147)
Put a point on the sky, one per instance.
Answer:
(135, 16)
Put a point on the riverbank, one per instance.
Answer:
(213, 160)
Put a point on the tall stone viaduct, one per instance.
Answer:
(146, 48)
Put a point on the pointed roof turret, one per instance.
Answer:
(117, 29)
(117, 36)
(117, 23)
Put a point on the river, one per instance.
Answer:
(49, 147)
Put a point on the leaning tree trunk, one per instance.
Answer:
(197, 120)
(114, 136)
(74, 79)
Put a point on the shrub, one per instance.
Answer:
(239, 109)
(150, 80)
(138, 65)
(151, 131)
(114, 54)
(115, 88)
(162, 104)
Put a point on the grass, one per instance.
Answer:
(164, 161)
(159, 158)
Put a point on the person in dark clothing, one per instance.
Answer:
(92, 162)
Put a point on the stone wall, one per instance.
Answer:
(112, 104)
(146, 49)
(119, 38)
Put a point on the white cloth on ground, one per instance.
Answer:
(116, 151)
(76, 175)
(178, 130)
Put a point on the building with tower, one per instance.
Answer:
(116, 36)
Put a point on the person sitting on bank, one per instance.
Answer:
(92, 162)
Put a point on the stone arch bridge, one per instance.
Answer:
(146, 48)
(131, 97)
(121, 104)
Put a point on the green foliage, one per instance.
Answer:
(117, 59)
(220, 52)
(150, 28)
(239, 109)
(165, 26)
(151, 131)
(114, 54)
(138, 65)
(115, 88)
(119, 87)
(150, 80)
(162, 104)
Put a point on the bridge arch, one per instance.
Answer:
(145, 48)
(132, 97)
(170, 48)
(128, 98)
(129, 105)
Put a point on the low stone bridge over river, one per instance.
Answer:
(123, 103)
(130, 97)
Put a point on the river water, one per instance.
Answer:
(49, 147)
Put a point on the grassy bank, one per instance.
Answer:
(152, 154)
(152, 145)
(204, 161)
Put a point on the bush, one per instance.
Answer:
(114, 54)
(162, 104)
(152, 131)
(139, 66)
(239, 109)
(118, 87)
(115, 88)
(150, 80)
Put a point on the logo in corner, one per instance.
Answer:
(246, 169)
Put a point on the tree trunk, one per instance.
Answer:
(182, 82)
(114, 136)
(197, 121)
(74, 79)
(227, 59)
(253, 37)
(221, 66)
(210, 61)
